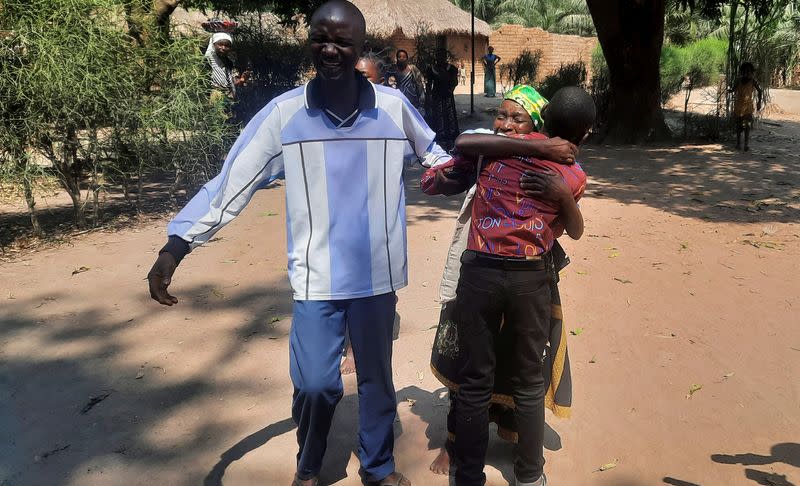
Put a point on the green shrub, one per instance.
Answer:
(78, 91)
(600, 88)
(523, 69)
(278, 63)
(572, 74)
(701, 61)
(707, 57)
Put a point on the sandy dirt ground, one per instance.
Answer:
(686, 371)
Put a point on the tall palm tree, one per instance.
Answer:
(484, 9)
(683, 25)
(558, 16)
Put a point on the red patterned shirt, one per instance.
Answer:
(505, 221)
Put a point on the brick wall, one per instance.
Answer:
(510, 40)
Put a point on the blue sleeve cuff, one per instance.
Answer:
(177, 247)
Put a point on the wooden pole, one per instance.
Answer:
(472, 76)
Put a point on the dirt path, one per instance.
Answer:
(688, 277)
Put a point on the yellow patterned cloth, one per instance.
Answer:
(531, 100)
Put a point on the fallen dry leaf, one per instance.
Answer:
(218, 293)
(80, 270)
(622, 280)
(577, 331)
(421, 375)
(606, 467)
(694, 389)
(772, 245)
(140, 375)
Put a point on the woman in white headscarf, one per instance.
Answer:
(222, 77)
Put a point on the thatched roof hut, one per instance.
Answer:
(386, 17)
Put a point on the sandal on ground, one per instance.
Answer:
(396, 482)
(297, 482)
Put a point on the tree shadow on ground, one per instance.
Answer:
(116, 213)
(709, 182)
(437, 208)
(677, 482)
(75, 405)
(785, 452)
(430, 407)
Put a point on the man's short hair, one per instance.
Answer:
(349, 8)
(570, 114)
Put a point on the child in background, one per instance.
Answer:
(371, 67)
(744, 89)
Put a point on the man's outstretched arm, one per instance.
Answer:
(255, 159)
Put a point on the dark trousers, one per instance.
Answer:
(492, 293)
(315, 352)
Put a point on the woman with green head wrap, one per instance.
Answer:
(519, 114)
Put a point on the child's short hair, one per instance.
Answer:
(374, 59)
(747, 66)
(570, 114)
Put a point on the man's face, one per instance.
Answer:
(336, 45)
(369, 70)
(223, 47)
(402, 59)
(512, 119)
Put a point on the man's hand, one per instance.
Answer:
(558, 150)
(548, 185)
(450, 186)
(160, 277)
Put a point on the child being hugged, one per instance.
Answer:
(506, 297)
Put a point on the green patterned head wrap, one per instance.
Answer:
(531, 100)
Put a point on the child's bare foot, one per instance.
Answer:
(348, 366)
(441, 465)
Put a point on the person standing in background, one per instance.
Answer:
(409, 79)
(490, 62)
(440, 105)
(223, 79)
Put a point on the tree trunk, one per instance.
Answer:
(69, 172)
(743, 44)
(163, 10)
(730, 70)
(631, 33)
(31, 202)
(140, 188)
